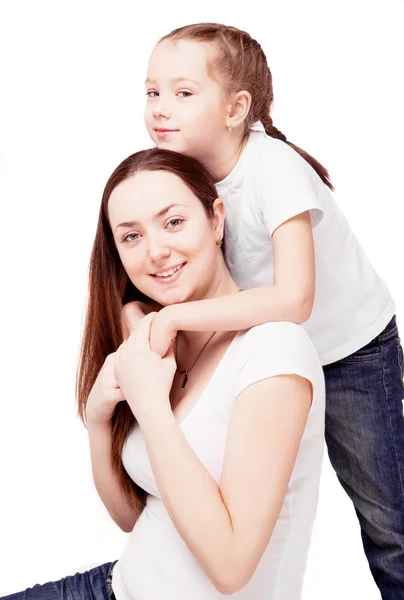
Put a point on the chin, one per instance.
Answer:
(176, 297)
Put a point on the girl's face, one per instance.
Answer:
(186, 109)
(165, 240)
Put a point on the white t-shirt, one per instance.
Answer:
(272, 183)
(156, 564)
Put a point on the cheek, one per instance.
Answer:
(204, 248)
(131, 264)
(147, 116)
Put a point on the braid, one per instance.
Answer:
(269, 127)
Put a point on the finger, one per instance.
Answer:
(141, 335)
(116, 360)
(167, 342)
(170, 352)
(132, 313)
(117, 395)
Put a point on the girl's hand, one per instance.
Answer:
(105, 394)
(143, 376)
(163, 330)
(133, 312)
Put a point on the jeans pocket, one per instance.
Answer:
(370, 352)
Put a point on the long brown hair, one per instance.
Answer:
(242, 65)
(110, 288)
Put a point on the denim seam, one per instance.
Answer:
(360, 362)
(385, 385)
(400, 358)
(388, 335)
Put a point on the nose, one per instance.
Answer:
(159, 110)
(158, 250)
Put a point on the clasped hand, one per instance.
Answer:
(144, 377)
(163, 330)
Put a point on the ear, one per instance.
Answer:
(238, 109)
(219, 214)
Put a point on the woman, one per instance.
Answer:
(209, 457)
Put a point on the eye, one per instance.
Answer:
(152, 94)
(131, 237)
(185, 94)
(175, 223)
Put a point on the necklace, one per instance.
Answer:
(186, 372)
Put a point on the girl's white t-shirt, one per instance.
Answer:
(272, 183)
(156, 564)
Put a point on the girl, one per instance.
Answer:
(209, 96)
(228, 458)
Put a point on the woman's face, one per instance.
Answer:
(165, 240)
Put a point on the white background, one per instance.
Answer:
(72, 99)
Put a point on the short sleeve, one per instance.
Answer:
(285, 186)
(280, 348)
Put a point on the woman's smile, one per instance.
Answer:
(168, 275)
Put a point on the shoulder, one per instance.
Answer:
(276, 166)
(278, 348)
(270, 152)
(277, 335)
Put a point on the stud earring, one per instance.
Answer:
(219, 243)
(230, 129)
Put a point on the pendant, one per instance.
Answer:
(185, 380)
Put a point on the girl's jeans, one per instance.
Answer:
(365, 439)
(91, 585)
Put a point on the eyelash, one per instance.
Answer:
(180, 222)
(180, 92)
(126, 237)
(175, 227)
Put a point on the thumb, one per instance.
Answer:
(132, 313)
(142, 331)
(169, 359)
(170, 354)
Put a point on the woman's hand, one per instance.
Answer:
(143, 376)
(105, 394)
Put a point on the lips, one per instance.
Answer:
(162, 132)
(168, 275)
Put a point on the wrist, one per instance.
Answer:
(94, 426)
(154, 421)
(174, 313)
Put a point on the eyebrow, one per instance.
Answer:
(158, 215)
(176, 80)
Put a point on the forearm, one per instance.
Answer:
(243, 310)
(191, 497)
(106, 481)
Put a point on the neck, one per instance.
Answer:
(225, 156)
(195, 339)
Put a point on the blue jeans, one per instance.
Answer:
(91, 585)
(365, 440)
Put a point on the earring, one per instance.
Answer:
(230, 129)
(219, 243)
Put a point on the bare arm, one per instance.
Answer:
(100, 407)
(106, 482)
(216, 522)
(289, 299)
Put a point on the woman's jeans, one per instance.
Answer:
(91, 585)
(365, 440)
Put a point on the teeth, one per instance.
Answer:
(168, 273)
